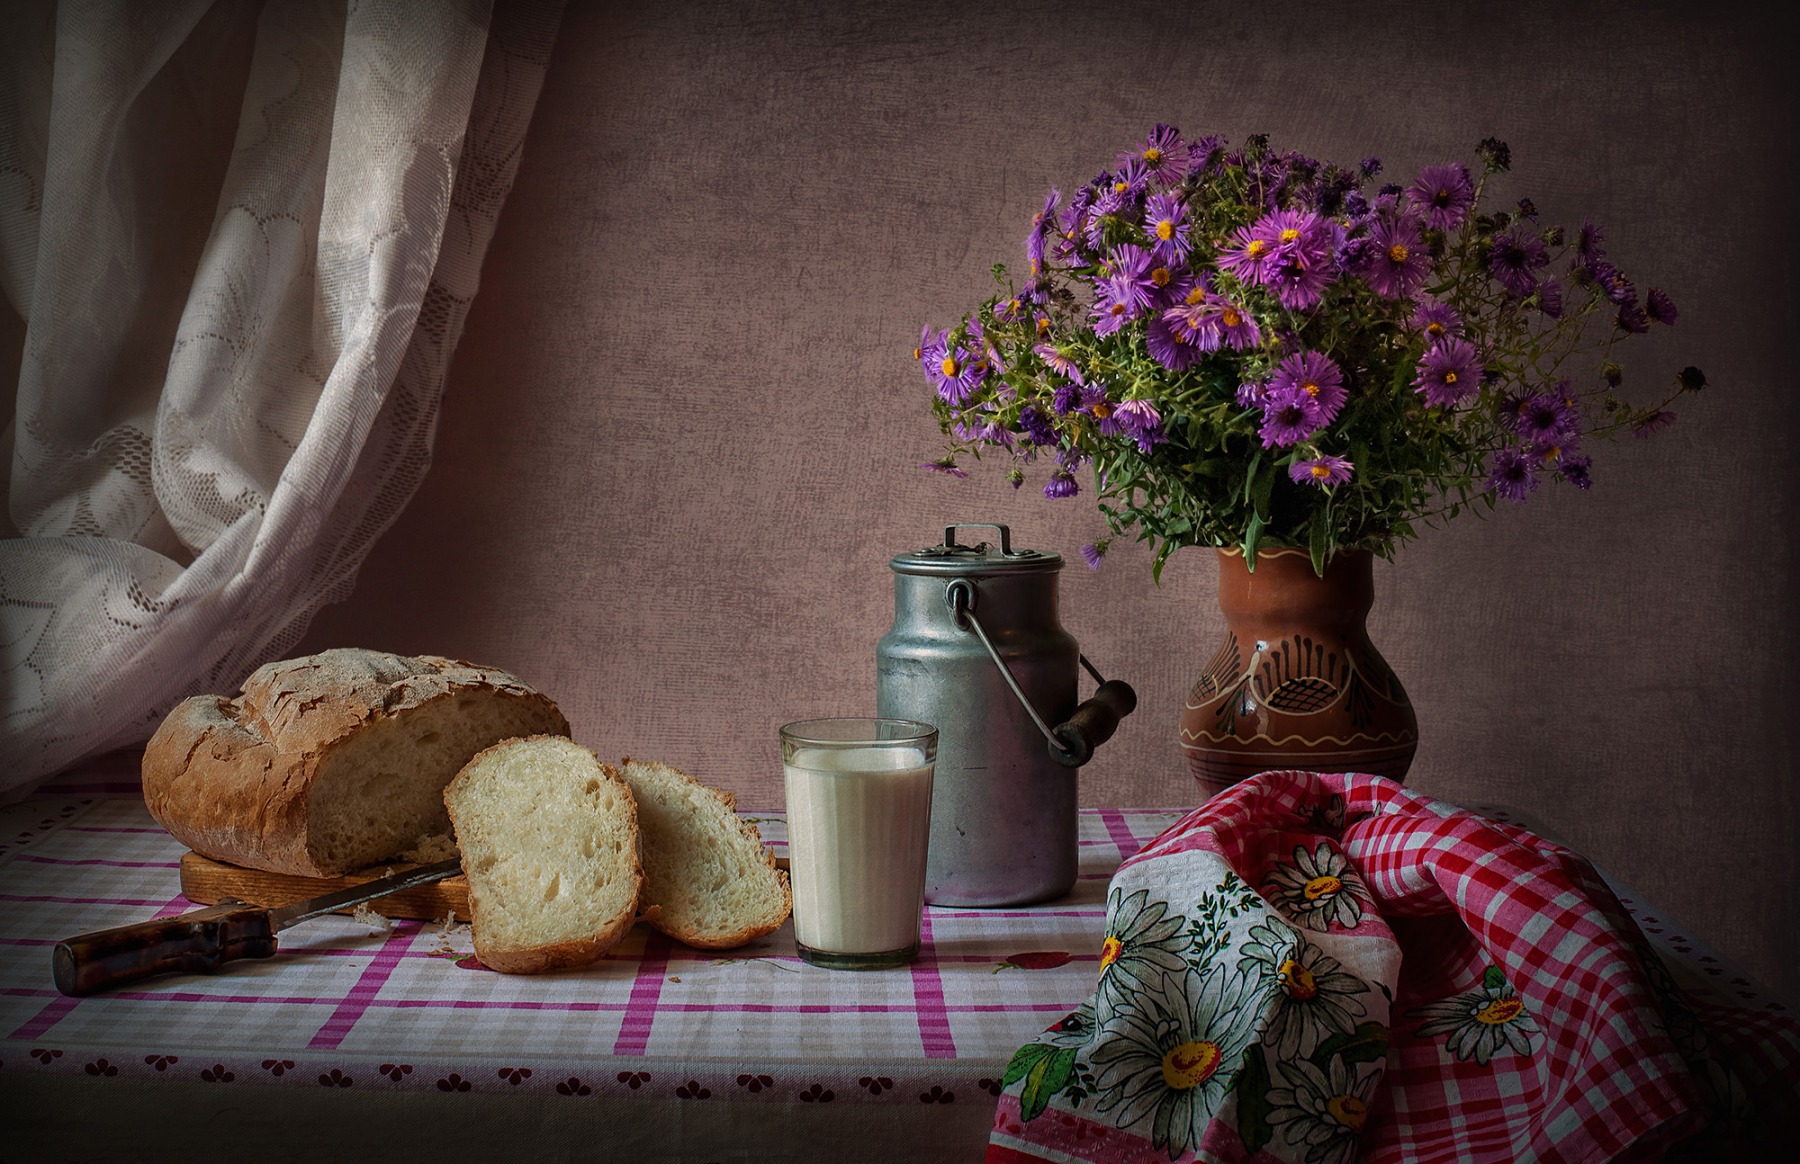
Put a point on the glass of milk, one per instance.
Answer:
(859, 820)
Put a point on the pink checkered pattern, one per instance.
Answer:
(1627, 1061)
(410, 1013)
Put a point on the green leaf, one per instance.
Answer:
(1023, 1060)
(1250, 477)
(1252, 535)
(1367, 1044)
(1262, 487)
(1047, 1076)
(1319, 543)
(1492, 979)
(1253, 1085)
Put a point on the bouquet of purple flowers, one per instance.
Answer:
(1250, 348)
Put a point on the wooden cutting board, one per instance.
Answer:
(207, 882)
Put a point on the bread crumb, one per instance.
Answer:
(674, 978)
(365, 914)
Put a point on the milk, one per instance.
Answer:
(859, 821)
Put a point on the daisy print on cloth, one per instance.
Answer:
(1329, 968)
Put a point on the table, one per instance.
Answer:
(352, 1040)
(354, 1043)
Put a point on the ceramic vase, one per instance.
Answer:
(1296, 683)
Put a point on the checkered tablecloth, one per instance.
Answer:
(657, 1053)
(347, 1008)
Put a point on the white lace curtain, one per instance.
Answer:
(240, 240)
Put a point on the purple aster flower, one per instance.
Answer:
(1212, 324)
(1131, 179)
(1249, 257)
(1398, 261)
(1659, 306)
(1172, 351)
(1289, 417)
(945, 465)
(1038, 426)
(1094, 551)
(926, 339)
(1250, 394)
(1437, 320)
(1315, 376)
(1066, 399)
(1631, 318)
(1652, 424)
(1550, 297)
(1443, 194)
(1547, 418)
(1141, 422)
(1577, 471)
(1448, 371)
(1045, 219)
(1320, 471)
(1061, 484)
(1589, 244)
(1515, 257)
(1300, 280)
(1613, 283)
(1125, 291)
(1165, 221)
(1059, 363)
(1512, 475)
(1162, 153)
(1510, 408)
(1370, 167)
(1294, 232)
(952, 368)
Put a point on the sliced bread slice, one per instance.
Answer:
(708, 879)
(549, 841)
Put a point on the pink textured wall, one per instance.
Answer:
(683, 430)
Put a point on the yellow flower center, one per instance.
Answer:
(1322, 887)
(1310, 387)
(1117, 309)
(1121, 187)
(1397, 252)
(1553, 453)
(1230, 318)
(1321, 472)
(1501, 1010)
(1434, 329)
(1256, 247)
(1289, 235)
(1110, 950)
(918, 353)
(1449, 377)
(1190, 1064)
(1165, 230)
(1161, 276)
(1043, 325)
(1197, 295)
(1296, 979)
(1101, 411)
(949, 366)
(1153, 155)
(1348, 1111)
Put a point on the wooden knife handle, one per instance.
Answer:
(198, 943)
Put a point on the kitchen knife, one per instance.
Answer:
(205, 939)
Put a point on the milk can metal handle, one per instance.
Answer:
(1073, 741)
(1005, 534)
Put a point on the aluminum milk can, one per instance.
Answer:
(977, 651)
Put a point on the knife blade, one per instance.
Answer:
(203, 940)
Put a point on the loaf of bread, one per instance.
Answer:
(549, 839)
(708, 879)
(334, 762)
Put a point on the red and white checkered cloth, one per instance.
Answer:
(1331, 968)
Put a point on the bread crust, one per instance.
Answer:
(230, 778)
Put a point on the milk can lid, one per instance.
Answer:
(953, 559)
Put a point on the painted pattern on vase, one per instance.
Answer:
(1296, 683)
